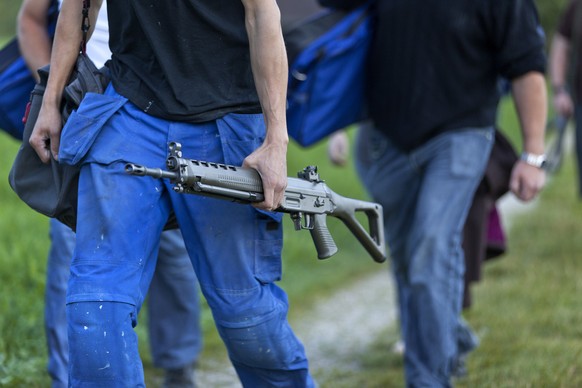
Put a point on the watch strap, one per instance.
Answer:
(535, 160)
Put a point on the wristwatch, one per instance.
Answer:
(534, 160)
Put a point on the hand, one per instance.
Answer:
(563, 103)
(270, 160)
(338, 148)
(526, 181)
(45, 137)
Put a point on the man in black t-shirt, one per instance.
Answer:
(432, 96)
(212, 76)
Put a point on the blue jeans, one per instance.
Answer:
(426, 195)
(173, 304)
(235, 249)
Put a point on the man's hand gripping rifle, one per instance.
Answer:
(307, 198)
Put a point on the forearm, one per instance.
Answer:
(559, 54)
(529, 93)
(269, 64)
(45, 138)
(66, 46)
(33, 39)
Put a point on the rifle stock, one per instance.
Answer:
(307, 199)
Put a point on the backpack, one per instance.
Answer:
(327, 56)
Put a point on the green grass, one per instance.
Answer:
(23, 247)
(528, 305)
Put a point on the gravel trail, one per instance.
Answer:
(335, 330)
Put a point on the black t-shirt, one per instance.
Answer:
(435, 64)
(183, 60)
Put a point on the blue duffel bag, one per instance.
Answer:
(327, 56)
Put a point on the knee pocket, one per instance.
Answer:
(264, 342)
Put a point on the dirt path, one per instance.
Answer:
(336, 329)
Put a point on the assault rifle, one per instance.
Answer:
(307, 199)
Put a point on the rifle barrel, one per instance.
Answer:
(135, 169)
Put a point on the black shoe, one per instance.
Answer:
(180, 378)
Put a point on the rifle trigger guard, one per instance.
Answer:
(302, 221)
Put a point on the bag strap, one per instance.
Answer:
(85, 25)
(53, 14)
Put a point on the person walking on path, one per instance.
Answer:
(432, 96)
(210, 75)
(173, 301)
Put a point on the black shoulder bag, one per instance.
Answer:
(51, 189)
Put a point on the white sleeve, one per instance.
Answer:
(98, 46)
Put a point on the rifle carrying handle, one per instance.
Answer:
(324, 244)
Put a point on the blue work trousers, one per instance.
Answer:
(173, 304)
(425, 196)
(235, 249)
